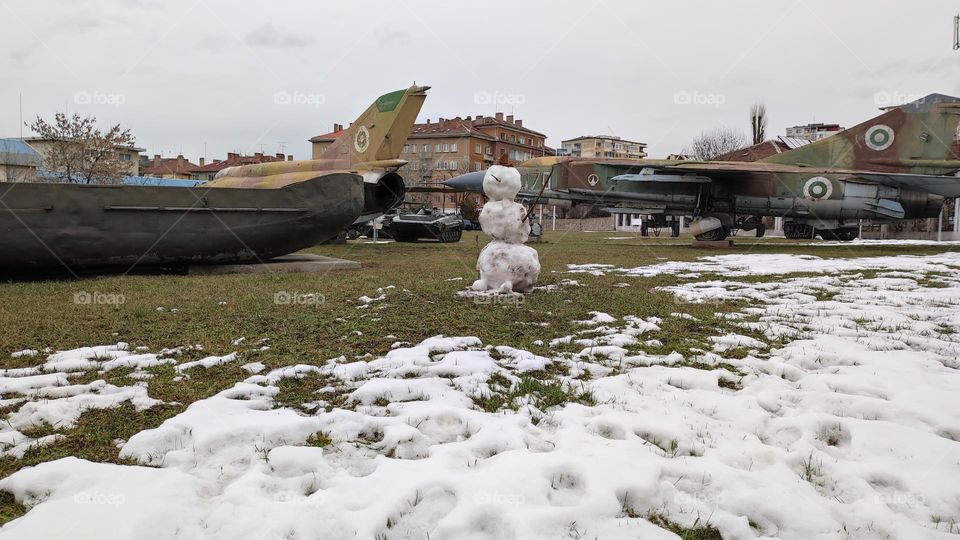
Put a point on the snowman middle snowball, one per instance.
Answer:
(505, 264)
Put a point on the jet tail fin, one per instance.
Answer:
(381, 131)
(921, 137)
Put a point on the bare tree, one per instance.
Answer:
(758, 122)
(468, 206)
(81, 153)
(717, 142)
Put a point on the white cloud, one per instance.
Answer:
(269, 36)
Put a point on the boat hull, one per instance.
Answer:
(68, 226)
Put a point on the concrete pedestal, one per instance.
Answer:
(296, 262)
(712, 244)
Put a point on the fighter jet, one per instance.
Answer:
(245, 214)
(898, 165)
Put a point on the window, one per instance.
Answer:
(446, 147)
(523, 140)
(426, 148)
(513, 138)
(453, 147)
(477, 148)
(453, 165)
(437, 147)
(488, 150)
(476, 166)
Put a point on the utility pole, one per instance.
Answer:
(956, 32)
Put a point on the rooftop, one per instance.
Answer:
(159, 165)
(131, 148)
(450, 127)
(18, 153)
(236, 159)
(604, 137)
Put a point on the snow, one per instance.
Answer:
(777, 264)
(841, 422)
(253, 367)
(207, 362)
(597, 317)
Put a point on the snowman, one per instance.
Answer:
(505, 264)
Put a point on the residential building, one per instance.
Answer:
(319, 143)
(437, 151)
(159, 167)
(603, 146)
(206, 171)
(127, 154)
(814, 132)
(18, 161)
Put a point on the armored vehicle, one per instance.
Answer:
(426, 223)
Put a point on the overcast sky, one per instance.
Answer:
(242, 75)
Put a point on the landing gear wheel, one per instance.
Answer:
(353, 234)
(675, 229)
(712, 236)
(846, 235)
(761, 230)
(798, 231)
(842, 235)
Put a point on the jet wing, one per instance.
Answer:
(946, 186)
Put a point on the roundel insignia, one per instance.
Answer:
(362, 139)
(879, 137)
(818, 188)
(593, 179)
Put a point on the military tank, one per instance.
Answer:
(428, 224)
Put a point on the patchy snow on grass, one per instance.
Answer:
(207, 362)
(778, 264)
(841, 423)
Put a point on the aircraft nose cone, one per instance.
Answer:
(472, 181)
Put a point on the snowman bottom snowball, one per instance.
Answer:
(507, 267)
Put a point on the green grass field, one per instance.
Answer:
(161, 311)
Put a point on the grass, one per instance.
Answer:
(210, 312)
(696, 532)
(542, 393)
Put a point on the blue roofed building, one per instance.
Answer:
(18, 161)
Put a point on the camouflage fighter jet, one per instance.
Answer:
(899, 165)
(245, 214)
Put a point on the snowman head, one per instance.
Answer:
(501, 183)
